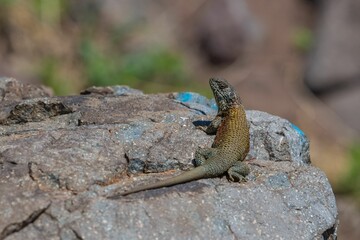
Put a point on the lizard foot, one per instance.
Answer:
(212, 127)
(238, 172)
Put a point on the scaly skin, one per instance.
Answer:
(229, 148)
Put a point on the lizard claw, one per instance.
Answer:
(237, 178)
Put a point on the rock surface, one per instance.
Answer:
(61, 156)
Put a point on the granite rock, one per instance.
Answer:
(56, 171)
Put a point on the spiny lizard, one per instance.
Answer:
(229, 148)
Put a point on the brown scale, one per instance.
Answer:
(233, 131)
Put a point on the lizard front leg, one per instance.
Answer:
(213, 126)
(238, 172)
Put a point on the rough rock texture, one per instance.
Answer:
(10, 89)
(61, 156)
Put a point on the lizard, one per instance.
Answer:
(230, 146)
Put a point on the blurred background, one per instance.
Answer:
(299, 59)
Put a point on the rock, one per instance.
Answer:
(56, 171)
(115, 90)
(12, 90)
(196, 102)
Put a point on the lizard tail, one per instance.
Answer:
(194, 174)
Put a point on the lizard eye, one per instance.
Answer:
(222, 85)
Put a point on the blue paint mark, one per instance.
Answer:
(197, 102)
(297, 129)
(212, 104)
(190, 97)
(184, 96)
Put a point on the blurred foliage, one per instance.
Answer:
(50, 76)
(152, 70)
(82, 49)
(5, 3)
(350, 183)
(303, 39)
(50, 11)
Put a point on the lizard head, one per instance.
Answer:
(225, 95)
